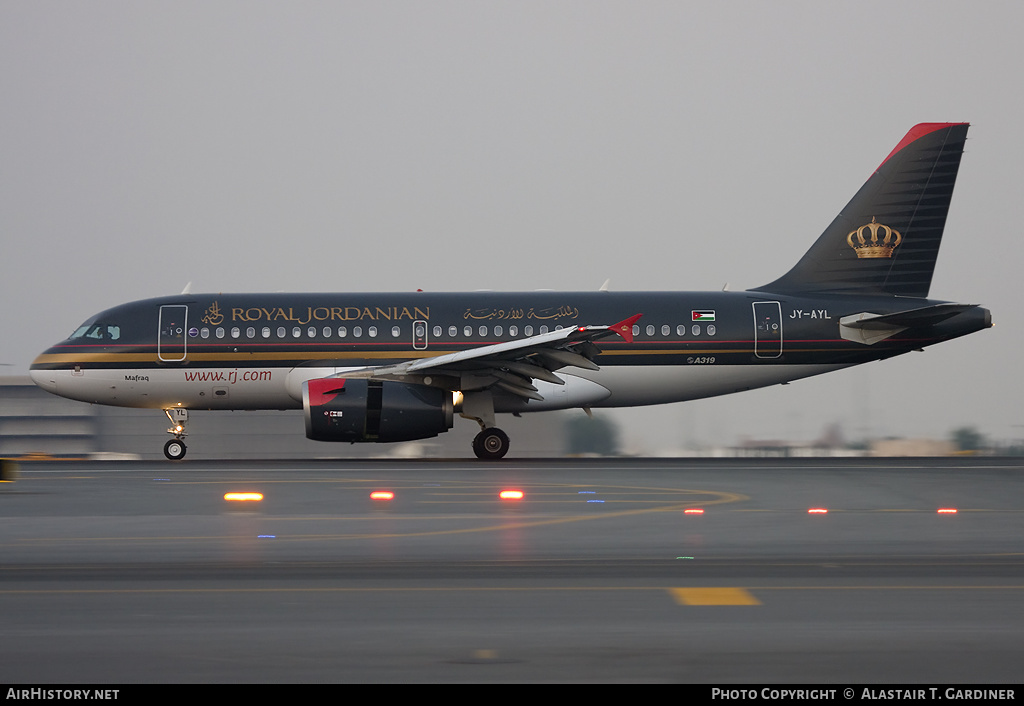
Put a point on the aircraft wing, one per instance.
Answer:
(510, 366)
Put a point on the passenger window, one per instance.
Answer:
(528, 330)
(220, 332)
(204, 333)
(311, 332)
(281, 332)
(513, 331)
(235, 332)
(372, 331)
(680, 330)
(483, 330)
(696, 329)
(357, 331)
(468, 331)
(342, 332)
(636, 330)
(497, 330)
(544, 328)
(266, 332)
(437, 332)
(395, 331)
(453, 331)
(711, 329)
(665, 330)
(650, 329)
(296, 332)
(327, 331)
(250, 332)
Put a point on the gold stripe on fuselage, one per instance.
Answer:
(73, 358)
(256, 356)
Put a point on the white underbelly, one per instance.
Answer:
(192, 388)
(633, 386)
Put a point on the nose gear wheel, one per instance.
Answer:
(175, 449)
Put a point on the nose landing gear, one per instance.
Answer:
(175, 448)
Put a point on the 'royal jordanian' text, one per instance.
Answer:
(330, 313)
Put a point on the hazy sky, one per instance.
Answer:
(390, 146)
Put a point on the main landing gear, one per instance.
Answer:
(490, 444)
(175, 448)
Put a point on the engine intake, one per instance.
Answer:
(337, 409)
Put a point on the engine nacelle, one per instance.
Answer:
(337, 409)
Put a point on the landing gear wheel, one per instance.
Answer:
(175, 449)
(490, 444)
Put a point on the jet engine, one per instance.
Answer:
(337, 409)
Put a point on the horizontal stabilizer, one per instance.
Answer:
(868, 328)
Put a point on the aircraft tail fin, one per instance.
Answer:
(887, 238)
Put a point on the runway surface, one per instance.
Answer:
(604, 571)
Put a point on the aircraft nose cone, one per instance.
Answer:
(44, 379)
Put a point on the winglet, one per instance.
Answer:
(625, 327)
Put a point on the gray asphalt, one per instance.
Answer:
(120, 573)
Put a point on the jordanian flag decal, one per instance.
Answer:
(704, 315)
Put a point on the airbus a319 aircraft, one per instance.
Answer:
(400, 366)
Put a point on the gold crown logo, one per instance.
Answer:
(869, 246)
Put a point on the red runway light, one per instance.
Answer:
(693, 511)
(511, 495)
(946, 510)
(252, 497)
(817, 511)
(382, 495)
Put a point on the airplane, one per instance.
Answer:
(393, 367)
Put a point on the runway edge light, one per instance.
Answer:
(511, 495)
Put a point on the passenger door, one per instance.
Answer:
(767, 329)
(172, 343)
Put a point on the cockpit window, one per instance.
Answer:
(98, 332)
